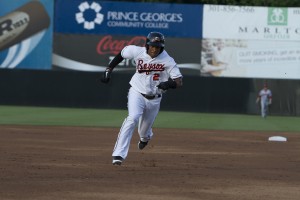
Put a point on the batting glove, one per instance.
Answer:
(167, 85)
(106, 75)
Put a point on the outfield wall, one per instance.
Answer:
(83, 90)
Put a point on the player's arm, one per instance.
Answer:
(175, 80)
(178, 82)
(270, 97)
(107, 73)
(257, 99)
(171, 84)
(117, 59)
(270, 100)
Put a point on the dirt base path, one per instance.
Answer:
(72, 163)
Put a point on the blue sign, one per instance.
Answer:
(128, 18)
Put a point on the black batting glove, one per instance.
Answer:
(163, 85)
(106, 75)
(167, 85)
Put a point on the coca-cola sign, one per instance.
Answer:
(110, 45)
(95, 52)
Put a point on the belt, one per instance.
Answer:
(150, 96)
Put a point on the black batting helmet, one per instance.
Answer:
(155, 39)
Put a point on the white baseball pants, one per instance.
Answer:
(140, 110)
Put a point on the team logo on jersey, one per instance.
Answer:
(149, 67)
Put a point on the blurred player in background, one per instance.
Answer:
(265, 98)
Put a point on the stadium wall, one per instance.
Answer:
(83, 90)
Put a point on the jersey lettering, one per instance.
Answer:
(149, 67)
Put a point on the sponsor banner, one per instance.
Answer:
(254, 42)
(26, 34)
(256, 23)
(250, 58)
(129, 18)
(99, 50)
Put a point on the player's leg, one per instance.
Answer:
(262, 107)
(136, 106)
(147, 119)
(264, 110)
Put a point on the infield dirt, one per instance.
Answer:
(70, 163)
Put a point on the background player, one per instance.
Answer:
(265, 98)
(155, 73)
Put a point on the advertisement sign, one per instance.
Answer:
(254, 42)
(26, 34)
(94, 52)
(251, 23)
(128, 18)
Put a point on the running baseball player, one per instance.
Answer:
(156, 72)
(265, 98)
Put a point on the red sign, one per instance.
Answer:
(109, 45)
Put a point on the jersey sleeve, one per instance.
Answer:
(270, 94)
(173, 70)
(175, 73)
(130, 51)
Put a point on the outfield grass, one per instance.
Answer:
(17, 115)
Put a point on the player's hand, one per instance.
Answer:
(163, 85)
(167, 85)
(106, 75)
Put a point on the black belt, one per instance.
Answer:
(150, 96)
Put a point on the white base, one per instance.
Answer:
(277, 139)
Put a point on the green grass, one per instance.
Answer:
(18, 115)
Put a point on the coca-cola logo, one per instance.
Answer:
(109, 45)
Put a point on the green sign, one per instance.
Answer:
(278, 16)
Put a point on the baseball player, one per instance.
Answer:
(156, 72)
(265, 98)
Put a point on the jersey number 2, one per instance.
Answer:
(155, 77)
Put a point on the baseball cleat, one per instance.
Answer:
(142, 144)
(117, 160)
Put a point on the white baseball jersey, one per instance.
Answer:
(265, 95)
(150, 71)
